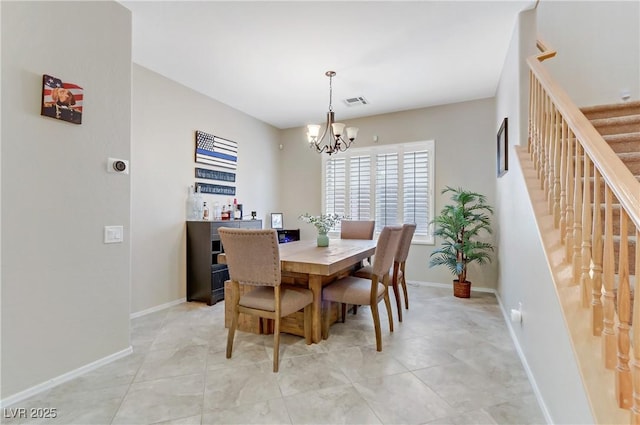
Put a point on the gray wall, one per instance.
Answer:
(162, 154)
(65, 294)
(524, 274)
(464, 135)
(598, 45)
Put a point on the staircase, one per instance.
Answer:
(582, 168)
(619, 125)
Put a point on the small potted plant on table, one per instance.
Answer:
(323, 224)
(460, 225)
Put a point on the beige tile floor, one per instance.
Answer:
(451, 361)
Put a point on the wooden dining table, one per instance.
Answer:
(305, 264)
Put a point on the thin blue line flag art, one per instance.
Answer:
(216, 151)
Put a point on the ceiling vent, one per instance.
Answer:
(355, 101)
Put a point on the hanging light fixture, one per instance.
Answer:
(337, 141)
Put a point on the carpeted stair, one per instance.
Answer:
(619, 125)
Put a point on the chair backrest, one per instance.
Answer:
(408, 229)
(357, 229)
(252, 255)
(386, 250)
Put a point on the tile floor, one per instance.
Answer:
(451, 361)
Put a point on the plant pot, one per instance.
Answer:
(461, 290)
(323, 239)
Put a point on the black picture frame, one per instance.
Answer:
(503, 148)
(276, 220)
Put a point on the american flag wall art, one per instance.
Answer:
(216, 151)
(61, 100)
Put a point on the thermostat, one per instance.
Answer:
(115, 165)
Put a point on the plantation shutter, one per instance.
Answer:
(336, 186)
(360, 187)
(386, 190)
(416, 200)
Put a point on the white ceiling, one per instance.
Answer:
(268, 59)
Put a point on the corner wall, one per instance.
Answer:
(524, 274)
(65, 294)
(598, 45)
(464, 137)
(163, 167)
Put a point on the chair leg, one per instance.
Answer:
(325, 316)
(387, 303)
(343, 312)
(396, 292)
(404, 289)
(376, 325)
(276, 344)
(355, 309)
(232, 331)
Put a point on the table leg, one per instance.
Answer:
(315, 285)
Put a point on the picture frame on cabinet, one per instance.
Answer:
(276, 220)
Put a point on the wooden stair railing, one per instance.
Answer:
(582, 176)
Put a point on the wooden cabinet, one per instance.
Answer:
(205, 277)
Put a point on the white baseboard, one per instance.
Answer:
(156, 308)
(532, 380)
(449, 285)
(22, 395)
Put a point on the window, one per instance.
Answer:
(391, 184)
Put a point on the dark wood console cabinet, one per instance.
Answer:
(205, 277)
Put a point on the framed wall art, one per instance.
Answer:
(216, 151)
(503, 148)
(60, 100)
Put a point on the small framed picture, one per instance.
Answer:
(503, 148)
(276, 220)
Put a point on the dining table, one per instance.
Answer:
(305, 264)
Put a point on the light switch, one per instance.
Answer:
(113, 234)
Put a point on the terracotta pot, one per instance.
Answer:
(461, 290)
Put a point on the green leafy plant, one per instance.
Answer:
(460, 224)
(323, 222)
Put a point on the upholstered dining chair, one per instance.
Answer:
(253, 258)
(359, 291)
(357, 229)
(399, 264)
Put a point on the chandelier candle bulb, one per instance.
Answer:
(338, 128)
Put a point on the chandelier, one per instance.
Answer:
(337, 141)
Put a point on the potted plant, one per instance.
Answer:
(460, 225)
(323, 224)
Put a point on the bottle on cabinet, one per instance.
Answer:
(192, 209)
(205, 211)
(237, 210)
(197, 213)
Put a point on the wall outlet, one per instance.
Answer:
(625, 95)
(113, 234)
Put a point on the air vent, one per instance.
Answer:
(355, 101)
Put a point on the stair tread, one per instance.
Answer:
(611, 106)
(617, 120)
(628, 155)
(622, 136)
